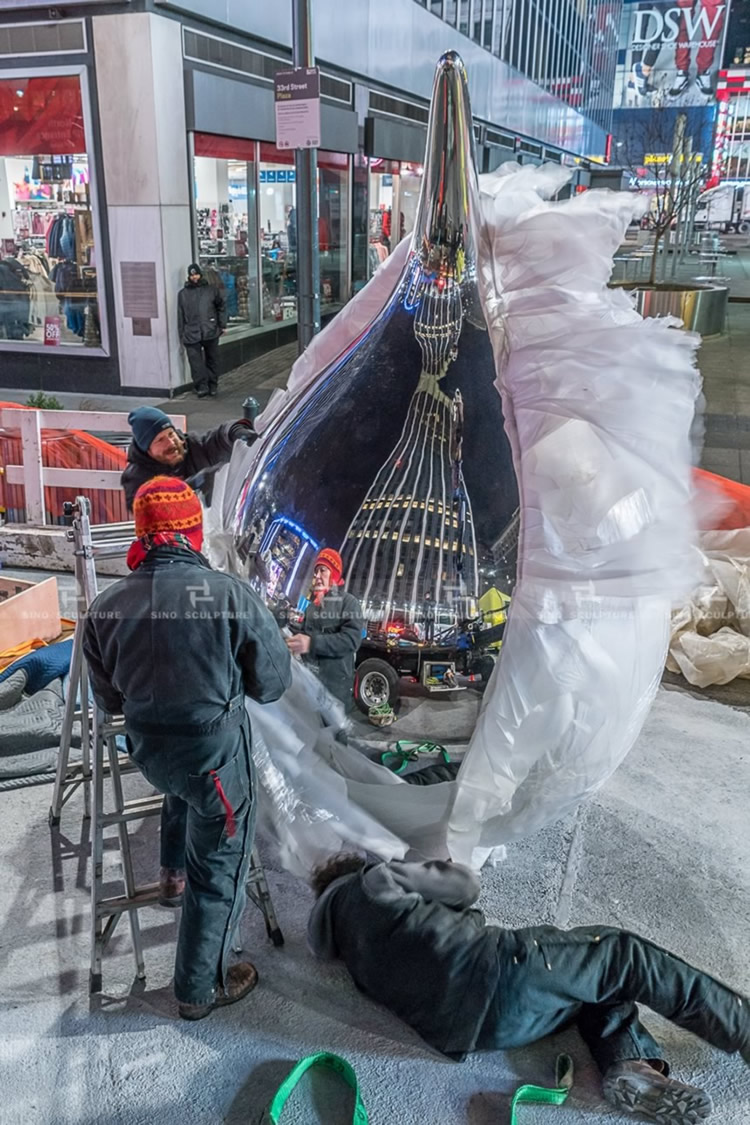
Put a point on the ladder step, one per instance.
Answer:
(134, 810)
(144, 896)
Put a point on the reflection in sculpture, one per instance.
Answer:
(394, 423)
(396, 453)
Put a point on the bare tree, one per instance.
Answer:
(662, 145)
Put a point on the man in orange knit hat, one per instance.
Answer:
(175, 647)
(333, 627)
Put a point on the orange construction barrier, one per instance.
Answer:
(68, 449)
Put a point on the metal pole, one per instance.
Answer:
(306, 162)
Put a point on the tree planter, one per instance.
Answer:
(701, 308)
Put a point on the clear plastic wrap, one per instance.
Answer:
(598, 406)
(710, 641)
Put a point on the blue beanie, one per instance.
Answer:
(146, 422)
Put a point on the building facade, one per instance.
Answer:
(138, 137)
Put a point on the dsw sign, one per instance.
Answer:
(665, 25)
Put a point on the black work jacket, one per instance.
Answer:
(176, 641)
(202, 452)
(335, 629)
(201, 313)
(435, 967)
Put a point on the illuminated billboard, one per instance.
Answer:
(669, 53)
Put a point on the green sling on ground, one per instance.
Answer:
(524, 1095)
(543, 1095)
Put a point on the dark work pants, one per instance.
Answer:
(197, 839)
(204, 363)
(594, 977)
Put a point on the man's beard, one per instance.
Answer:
(174, 458)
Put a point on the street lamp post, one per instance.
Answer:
(306, 163)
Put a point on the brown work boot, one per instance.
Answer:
(636, 1087)
(171, 886)
(241, 979)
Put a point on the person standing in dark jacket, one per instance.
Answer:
(157, 446)
(332, 629)
(175, 647)
(201, 320)
(410, 939)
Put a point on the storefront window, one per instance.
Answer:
(226, 210)
(278, 231)
(247, 228)
(48, 257)
(394, 190)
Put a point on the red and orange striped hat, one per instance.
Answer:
(166, 504)
(332, 559)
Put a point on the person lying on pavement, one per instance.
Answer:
(412, 940)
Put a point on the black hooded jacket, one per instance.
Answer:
(204, 451)
(432, 963)
(201, 313)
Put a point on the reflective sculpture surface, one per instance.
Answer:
(396, 453)
(389, 441)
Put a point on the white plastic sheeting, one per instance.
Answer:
(710, 641)
(599, 405)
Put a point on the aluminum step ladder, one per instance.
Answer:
(101, 759)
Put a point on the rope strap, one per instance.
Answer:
(331, 1062)
(543, 1095)
(404, 752)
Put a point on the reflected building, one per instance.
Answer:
(414, 534)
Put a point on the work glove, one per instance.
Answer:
(203, 482)
(242, 431)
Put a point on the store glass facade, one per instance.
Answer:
(393, 190)
(246, 228)
(49, 289)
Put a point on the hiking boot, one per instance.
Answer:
(213, 390)
(171, 886)
(202, 392)
(241, 979)
(636, 1087)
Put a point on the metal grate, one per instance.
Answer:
(62, 38)
(225, 55)
(493, 137)
(396, 107)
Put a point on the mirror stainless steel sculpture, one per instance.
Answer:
(389, 442)
(395, 453)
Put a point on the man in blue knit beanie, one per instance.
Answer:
(157, 446)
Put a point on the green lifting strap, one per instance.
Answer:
(325, 1059)
(404, 752)
(543, 1095)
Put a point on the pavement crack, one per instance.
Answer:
(570, 873)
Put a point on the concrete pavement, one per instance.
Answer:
(663, 849)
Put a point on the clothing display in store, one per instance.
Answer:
(43, 302)
(15, 300)
(229, 288)
(74, 292)
(61, 237)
